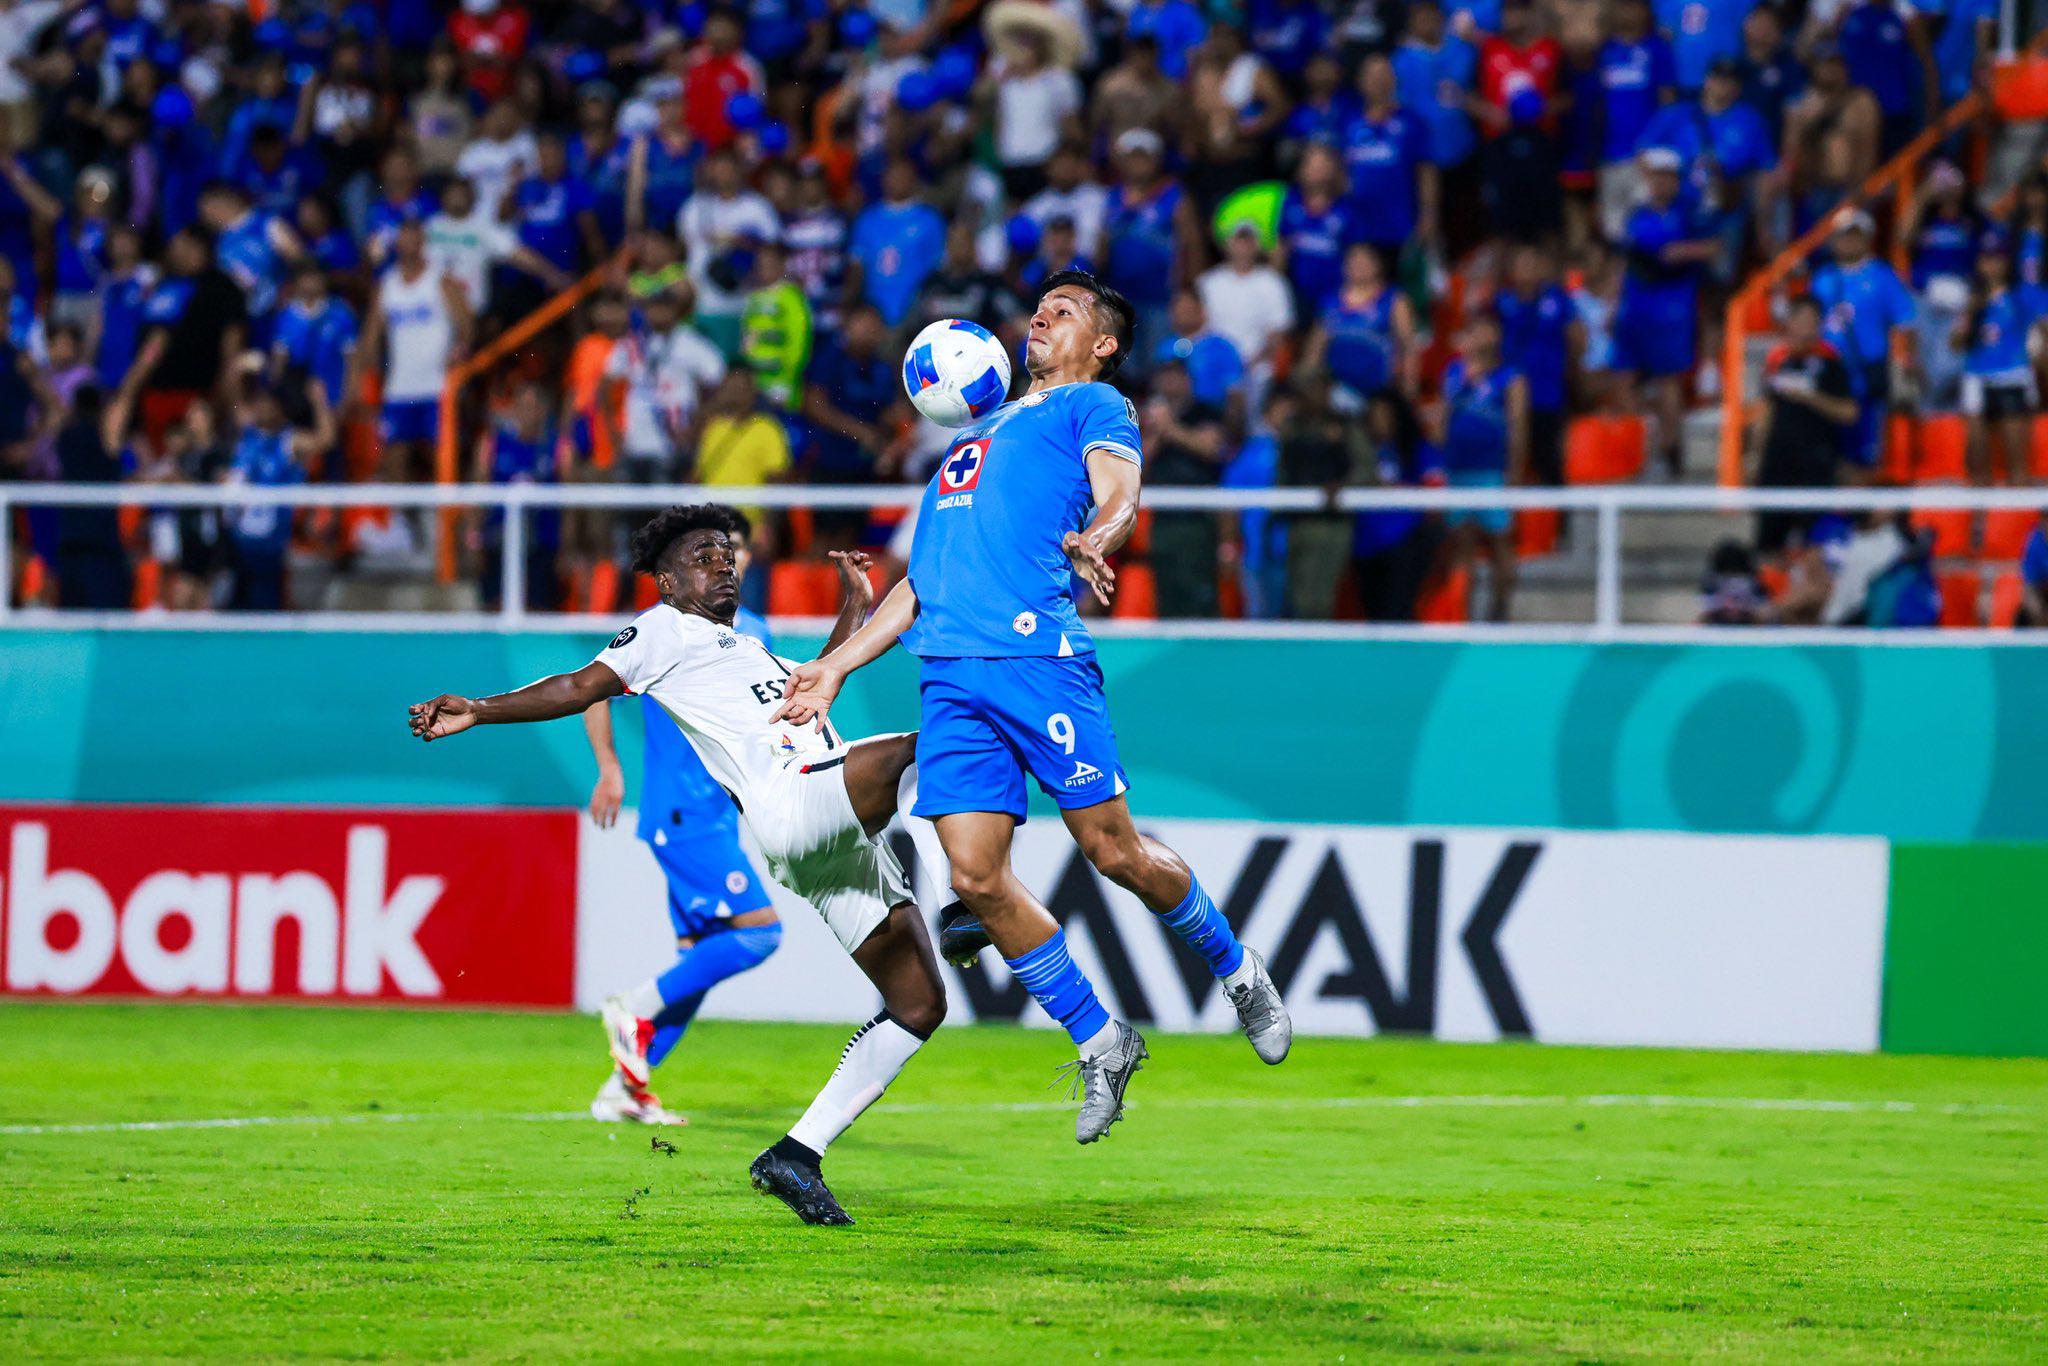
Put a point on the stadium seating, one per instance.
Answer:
(2007, 594)
(1961, 591)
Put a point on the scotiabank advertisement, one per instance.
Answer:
(474, 907)
(1556, 936)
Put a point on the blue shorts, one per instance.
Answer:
(709, 882)
(986, 722)
(417, 420)
(1872, 387)
(1653, 344)
(1494, 520)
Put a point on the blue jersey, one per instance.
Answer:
(990, 577)
(249, 257)
(122, 302)
(675, 788)
(81, 254)
(1142, 244)
(1632, 77)
(2030, 256)
(1879, 57)
(898, 247)
(1383, 157)
(1945, 246)
(1316, 239)
(1655, 288)
(1476, 419)
(1360, 352)
(1286, 33)
(265, 459)
(1177, 26)
(2034, 560)
(1420, 74)
(1534, 340)
(1861, 305)
(517, 459)
(1955, 51)
(546, 211)
(1998, 335)
(1323, 123)
(318, 341)
(1701, 31)
(1736, 142)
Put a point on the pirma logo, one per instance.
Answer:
(1083, 774)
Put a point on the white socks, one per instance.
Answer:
(1242, 975)
(644, 1000)
(873, 1058)
(1100, 1042)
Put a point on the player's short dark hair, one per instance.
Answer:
(651, 542)
(1113, 312)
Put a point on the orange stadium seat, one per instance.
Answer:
(1897, 464)
(1141, 534)
(1942, 456)
(2007, 594)
(2006, 531)
(1536, 532)
(149, 578)
(803, 524)
(2019, 88)
(802, 588)
(36, 580)
(604, 588)
(1775, 580)
(1604, 449)
(1443, 603)
(1960, 591)
(1951, 528)
(645, 594)
(1137, 594)
(2039, 463)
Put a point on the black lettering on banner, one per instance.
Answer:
(1329, 902)
(1482, 935)
(1195, 973)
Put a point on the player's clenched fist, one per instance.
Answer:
(854, 582)
(445, 715)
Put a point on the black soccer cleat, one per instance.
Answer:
(802, 1189)
(961, 936)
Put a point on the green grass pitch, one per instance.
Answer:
(1368, 1199)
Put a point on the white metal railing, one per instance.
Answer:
(1606, 502)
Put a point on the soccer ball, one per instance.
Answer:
(955, 372)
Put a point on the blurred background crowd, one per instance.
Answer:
(1370, 242)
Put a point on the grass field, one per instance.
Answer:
(1368, 1199)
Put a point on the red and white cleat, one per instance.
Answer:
(629, 1037)
(618, 1101)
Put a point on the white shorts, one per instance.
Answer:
(803, 822)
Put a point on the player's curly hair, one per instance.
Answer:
(1113, 312)
(652, 541)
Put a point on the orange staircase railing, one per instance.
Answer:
(448, 447)
(1899, 177)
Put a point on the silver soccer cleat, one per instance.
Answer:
(1101, 1080)
(1262, 1013)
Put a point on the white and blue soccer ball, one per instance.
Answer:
(956, 371)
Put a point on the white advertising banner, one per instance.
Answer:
(1561, 936)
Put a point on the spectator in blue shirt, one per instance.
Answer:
(1656, 334)
(315, 336)
(1316, 224)
(270, 103)
(1393, 552)
(1969, 34)
(270, 454)
(1728, 156)
(1211, 360)
(1153, 237)
(1325, 108)
(1998, 368)
(555, 213)
(1538, 330)
(403, 200)
(1879, 53)
(1702, 32)
(896, 244)
(275, 173)
(1177, 26)
(1869, 313)
(1286, 33)
(853, 390)
(122, 299)
(1394, 184)
(1435, 74)
(1637, 78)
(1771, 76)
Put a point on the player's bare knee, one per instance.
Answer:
(921, 1009)
(1121, 860)
(980, 888)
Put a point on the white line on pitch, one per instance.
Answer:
(1793, 1104)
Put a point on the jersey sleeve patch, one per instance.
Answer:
(624, 638)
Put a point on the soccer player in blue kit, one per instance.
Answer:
(724, 921)
(1010, 682)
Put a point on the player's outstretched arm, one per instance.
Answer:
(1114, 482)
(610, 792)
(813, 686)
(556, 696)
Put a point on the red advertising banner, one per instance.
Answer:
(467, 907)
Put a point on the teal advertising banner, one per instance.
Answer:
(1933, 745)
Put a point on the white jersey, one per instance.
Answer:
(466, 248)
(419, 331)
(721, 688)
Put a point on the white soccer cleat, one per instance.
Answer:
(1261, 1011)
(629, 1038)
(618, 1101)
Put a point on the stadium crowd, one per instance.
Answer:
(1370, 242)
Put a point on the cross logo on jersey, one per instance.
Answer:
(962, 469)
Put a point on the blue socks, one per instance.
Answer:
(1197, 921)
(703, 966)
(1049, 974)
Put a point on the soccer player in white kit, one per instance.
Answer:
(421, 320)
(815, 803)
